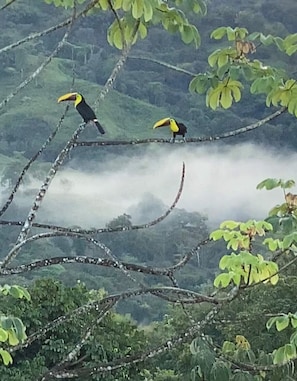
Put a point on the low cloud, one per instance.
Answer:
(220, 182)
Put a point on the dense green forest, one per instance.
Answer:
(118, 269)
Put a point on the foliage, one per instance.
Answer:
(245, 267)
(138, 14)
(12, 329)
(51, 299)
(231, 67)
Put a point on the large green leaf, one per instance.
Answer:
(220, 371)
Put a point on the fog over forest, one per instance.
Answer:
(220, 183)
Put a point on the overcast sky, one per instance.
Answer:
(220, 182)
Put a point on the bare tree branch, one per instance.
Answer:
(161, 63)
(103, 368)
(31, 161)
(39, 69)
(74, 353)
(119, 65)
(8, 3)
(105, 230)
(225, 135)
(64, 23)
(171, 294)
(40, 196)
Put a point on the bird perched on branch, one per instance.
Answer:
(177, 128)
(83, 108)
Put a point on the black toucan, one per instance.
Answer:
(177, 128)
(83, 108)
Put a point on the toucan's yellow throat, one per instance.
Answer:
(167, 122)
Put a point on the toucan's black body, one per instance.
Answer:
(83, 109)
(182, 130)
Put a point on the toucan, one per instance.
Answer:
(83, 108)
(177, 128)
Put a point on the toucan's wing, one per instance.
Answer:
(182, 128)
(162, 123)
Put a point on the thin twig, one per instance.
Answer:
(8, 3)
(64, 23)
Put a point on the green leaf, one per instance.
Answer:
(253, 36)
(289, 240)
(229, 224)
(147, 11)
(223, 280)
(242, 376)
(220, 371)
(104, 5)
(217, 234)
(293, 338)
(266, 40)
(269, 184)
(142, 29)
(3, 335)
(6, 357)
(137, 9)
(222, 60)
(270, 322)
(127, 5)
(213, 58)
(226, 98)
(213, 98)
(228, 347)
(224, 262)
(15, 292)
(279, 356)
(12, 338)
(231, 35)
(287, 184)
(291, 50)
(287, 223)
(290, 351)
(187, 34)
(199, 84)
(273, 244)
(294, 322)
(219, 33)
(282, 323)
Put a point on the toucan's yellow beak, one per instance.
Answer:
(162, 123)
(67, 97)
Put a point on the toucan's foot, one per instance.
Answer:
(172, 140)
(184, 140)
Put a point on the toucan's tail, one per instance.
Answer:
(98, 125)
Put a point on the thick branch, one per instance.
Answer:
(40, 196)
(201, 139)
